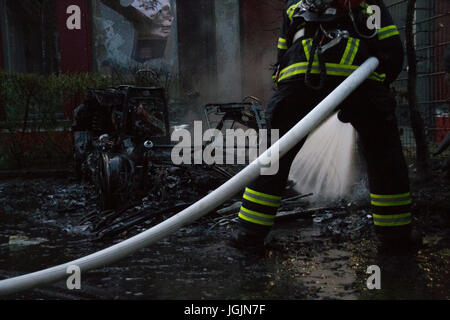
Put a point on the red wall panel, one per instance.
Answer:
(75, 45)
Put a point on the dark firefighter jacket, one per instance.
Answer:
(342, 59)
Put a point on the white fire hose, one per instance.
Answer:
(205, 205)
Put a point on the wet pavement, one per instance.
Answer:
(321, 254)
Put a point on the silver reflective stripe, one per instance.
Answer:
(391, 200)
(332, 69)
(262, 198)
(317, 68)
(348, 58)
(255, 217)
(282, 44)
(307, 47)
(302, 68)
(340, 69)
(386, 31)
(291, 10)
(404, 219)
(395, 220)
(300, 33)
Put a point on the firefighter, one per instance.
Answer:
(321, 43)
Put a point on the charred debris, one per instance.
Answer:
(122, 147)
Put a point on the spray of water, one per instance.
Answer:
(329, 164)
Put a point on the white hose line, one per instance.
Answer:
(203, 206)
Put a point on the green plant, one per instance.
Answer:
(35, 131)
(37, 112)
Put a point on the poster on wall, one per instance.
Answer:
(130, 33)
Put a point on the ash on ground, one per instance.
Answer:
(314, 253)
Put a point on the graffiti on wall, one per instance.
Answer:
(131, 33)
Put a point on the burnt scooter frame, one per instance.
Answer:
(249, 112)
(118, 153)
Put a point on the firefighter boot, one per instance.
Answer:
(248, 240)
(400, 246)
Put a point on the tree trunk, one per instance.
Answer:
(417, 123)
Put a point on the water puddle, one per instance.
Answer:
(307, 258)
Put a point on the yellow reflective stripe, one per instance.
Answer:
(264, 203)
(259, 214)
(396, 216)
(306, 48)
(332, 69)
(392, 220)
(264, 223)
(347, 49)
(256, 216)
(389, 35)
(387, 32)
(391, 200)
(257, 193)
(378, 76)
(307, 45)
(282, 44)
(392, 224)
(292, 69)
(339, 71)
(301, 67)
(390, 196)
(387, 28)
(355, 51)
(262, 198)
(391, 204)
(350, 51)
(290, 11)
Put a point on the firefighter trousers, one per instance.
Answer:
(371, 111)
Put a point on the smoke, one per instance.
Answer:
(329, 164)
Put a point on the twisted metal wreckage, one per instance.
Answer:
(121, 134)
(122, 144)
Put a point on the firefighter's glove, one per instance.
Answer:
(384, 59)
(349, 112)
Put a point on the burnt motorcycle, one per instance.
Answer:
(116, 132)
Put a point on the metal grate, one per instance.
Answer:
(432, 38)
